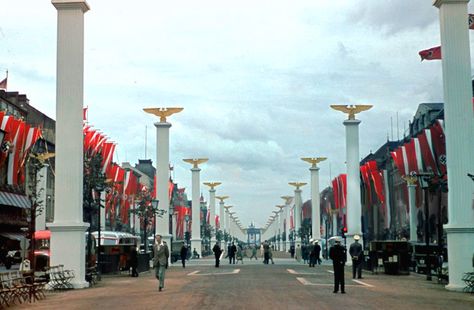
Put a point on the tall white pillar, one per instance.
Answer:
(354, 207)
(315, 205)
(102, 214)
(287, 199)
(68, 226)
(42, 180)
(388, 205)
(196, 204)
(298, 205)
(459, 124)
(222, 218)
(334, 224)
(162, 226)
(212, 208)
(411, 183)
(353, 179)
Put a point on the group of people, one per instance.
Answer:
(338, 255)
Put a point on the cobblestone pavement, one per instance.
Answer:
(284, 285)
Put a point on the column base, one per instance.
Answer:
(63, 235)
(460, 251)
(196, 244)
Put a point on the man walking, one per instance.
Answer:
(160, 260)
(338, 255)
(184, 254)
(254, 253)
(317, 253)
(232, 251)
(357, 255)
(266, 252)
(217, 253)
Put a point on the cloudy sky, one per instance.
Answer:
(255, 78)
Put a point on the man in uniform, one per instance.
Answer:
(357, 255)
(160, 260)
(338, 255)
(217, 253)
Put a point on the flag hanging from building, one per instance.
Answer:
(431, 53)
(3, 83)
(471, 21)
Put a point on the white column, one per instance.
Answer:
(297, 215)
(175, 222)
(222, 215)
(334, 224)
(68, 227)
(196, 211)
(162, 224)
(412, 208)
(459, 124)
(315, 208)
(102, 213)
(353, 182)
(212, 213)
(42, 180)
(388, 201)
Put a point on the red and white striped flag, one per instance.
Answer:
(3, 83)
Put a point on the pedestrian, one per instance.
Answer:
(240, 256)
(292, 251)
(266, 252)
(312, 254)
(184, 254)
(195, 254)
(262, 250)
(270, 256)
(305, 254)
(217, 253)
(160, 260)
(134, 261)
(338, 255)
(317, 251)
(254, 252)
(357, 255)
(232, 251)
(298, 253)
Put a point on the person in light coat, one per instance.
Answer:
(160, 260)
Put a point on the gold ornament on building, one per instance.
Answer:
(314, 161)
(410, 179)
(297, 184)
(212, 185)
(222, 198)
(352, 110)
(163, 113)
(195, 161)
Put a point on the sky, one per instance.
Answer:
(255, 79)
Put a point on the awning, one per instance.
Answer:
(13, 236)
(14, 200)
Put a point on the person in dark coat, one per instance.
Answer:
(217, 253)
(292, 251)
(317, 253)
(357, 255)
(232, 251)
(184, 254)
(134, 262)
(338, 255)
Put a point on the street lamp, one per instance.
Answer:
(154, 206)
(424, 179)
(186, 219)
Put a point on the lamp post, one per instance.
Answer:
(424, 180)
(186, 219)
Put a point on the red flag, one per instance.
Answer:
(14, 159)
(471, 21)
(84, 114)
(431, 53)
(335, 192)
(3, 83)
(439, 145)
(427, 149)
(378, 181)
(364, 171)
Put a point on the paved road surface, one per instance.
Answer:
(284, 285)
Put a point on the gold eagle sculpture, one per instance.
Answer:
(352, 110)
(195, 161)
(314, 160)
(163, 113)
(212, 185)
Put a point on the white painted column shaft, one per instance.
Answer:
(102, 211)
(162, 225)
(315, 207)
(68, 227)
(297, 213)
(459, 128)
(412, 208)
(221, 216)
(212, 213)
(196, 211)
